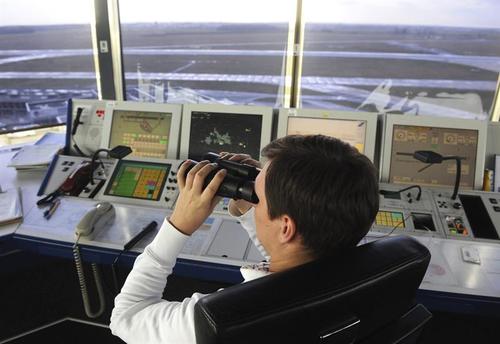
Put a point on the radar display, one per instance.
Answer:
(228, 132)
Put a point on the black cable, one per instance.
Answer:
(397, 225)
(129, 245)
(77, 149)
(457, 176)
(74, 129)
(77, 121)
(114, 272)
(92, 163)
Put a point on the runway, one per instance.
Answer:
(491, 63)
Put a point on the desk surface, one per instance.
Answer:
(447, 273)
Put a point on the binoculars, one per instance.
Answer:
(239, 182)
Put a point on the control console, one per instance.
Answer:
(411, 211)
(473, 215)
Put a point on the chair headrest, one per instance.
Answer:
(374, 283)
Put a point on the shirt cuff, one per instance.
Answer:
(168, 243)
(245, 217)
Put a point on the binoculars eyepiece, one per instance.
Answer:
(239, 182)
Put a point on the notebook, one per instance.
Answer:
(10, 206)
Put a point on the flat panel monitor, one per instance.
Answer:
(447, 136)
(138, 180)
(151, 130)
(229, 128)
(359, 129)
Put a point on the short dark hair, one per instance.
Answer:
(326, 186)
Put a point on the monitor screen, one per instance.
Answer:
(350, 131)
(147, 133)
(139, 180)
(407, 139)
(228, 132)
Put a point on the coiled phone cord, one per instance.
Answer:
(83, 283)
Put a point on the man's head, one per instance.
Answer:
(324, 188)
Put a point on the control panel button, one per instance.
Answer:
(471, 255)
(493, 201)
(496, 208)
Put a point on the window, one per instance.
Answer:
(45, 58)
(196, 51)
(419, 57)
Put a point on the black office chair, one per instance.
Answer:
(366, 295)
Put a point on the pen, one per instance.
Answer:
(53, 207)
(152, 225)
(15, 149)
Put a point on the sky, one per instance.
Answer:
(461, 13)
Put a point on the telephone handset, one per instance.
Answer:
(91, 223)
(95, 220)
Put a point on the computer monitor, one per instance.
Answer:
(138, 179)
(150, 129)
(142, 181)
(229, 128)
(356, 128)
(447, 136)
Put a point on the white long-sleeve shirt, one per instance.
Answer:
(141, 315)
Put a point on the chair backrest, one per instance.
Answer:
(342, 299)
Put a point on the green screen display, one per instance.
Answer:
(140, 180)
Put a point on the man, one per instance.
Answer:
(317, 196)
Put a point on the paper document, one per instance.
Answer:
(34, 156)
(10, 206)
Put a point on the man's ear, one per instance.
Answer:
(288, 229)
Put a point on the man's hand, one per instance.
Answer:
(239, 207)
(194, 203)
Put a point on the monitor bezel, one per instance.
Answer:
(188, 109)
(371, 119)
(174, 165)
(435, 122)
(175, 123)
